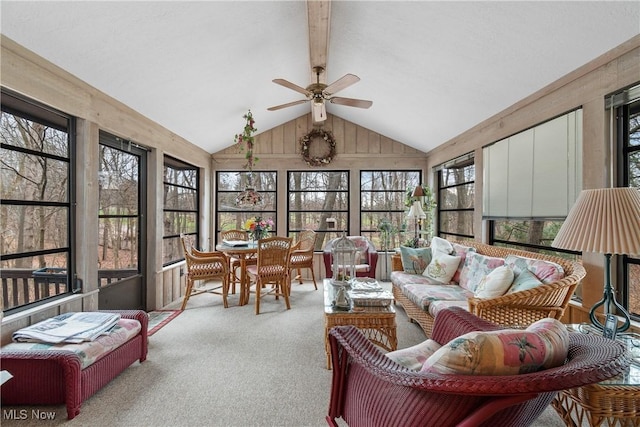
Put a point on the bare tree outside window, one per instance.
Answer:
(34, 208)
(456, 193)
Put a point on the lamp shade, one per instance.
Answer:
(605, 220)
(416, 211)
(418, 191)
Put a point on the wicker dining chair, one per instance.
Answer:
(271, 273)
(302, 255)
(205, 266)
(235, 263)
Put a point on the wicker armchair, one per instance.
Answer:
(302, 255)
(369, 257)
(205, 266)
(271, 270)
(518, 309)
(368, 389)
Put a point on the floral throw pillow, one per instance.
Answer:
(415, 356)
(442, 267)
(462, 252)
(415, 260)
(545, 271)
(542, 345)
(476, 267)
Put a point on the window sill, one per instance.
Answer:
(46, 306)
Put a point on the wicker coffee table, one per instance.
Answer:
(614, 402)
(377, 323)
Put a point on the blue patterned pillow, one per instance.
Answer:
(415, 260)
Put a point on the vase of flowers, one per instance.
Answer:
(258, 228)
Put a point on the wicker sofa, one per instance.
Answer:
(517, 309)
(369, 389)
(53, 376)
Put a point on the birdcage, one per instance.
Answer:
(344, 259)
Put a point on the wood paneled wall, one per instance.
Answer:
(585, 87)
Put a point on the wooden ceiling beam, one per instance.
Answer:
(318, 14)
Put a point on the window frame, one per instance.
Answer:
(625, 150)
(326, 233)
(34, 111)
(442, 187)
(194, 236)
(244, 178)
(374, 234)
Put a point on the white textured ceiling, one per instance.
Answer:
(432, 69)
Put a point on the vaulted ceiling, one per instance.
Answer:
(432, 69)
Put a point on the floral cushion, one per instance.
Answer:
(543, 345)
(442, 267)
(415, 260)
(523, 281)
(436, 307)
(545, 271)
(423, 295)
(495, 283)
(400, 279)
(461, 251)
(88, 351)
(415, 356)
(476, 267)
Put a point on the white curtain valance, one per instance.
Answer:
(536, 173)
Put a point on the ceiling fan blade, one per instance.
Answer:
(343, 82)
(351, 102)
(293, 86)
(288, 104)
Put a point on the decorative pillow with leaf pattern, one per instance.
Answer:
(542, 345)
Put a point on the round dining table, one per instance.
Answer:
(242, 252)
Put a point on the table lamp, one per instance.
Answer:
(605, 220)
(417, 214)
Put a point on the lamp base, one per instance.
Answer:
(608, 299)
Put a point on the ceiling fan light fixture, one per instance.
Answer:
(318, 111)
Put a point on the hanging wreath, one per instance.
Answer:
(327, 138)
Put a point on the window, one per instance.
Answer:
(531, 181)
(456, 192)
(181, 207)
(629, 168)
(383, 196)
(36, 199)
(229, 185)
(318, 200)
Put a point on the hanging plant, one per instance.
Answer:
(245, 141)
(325, 137)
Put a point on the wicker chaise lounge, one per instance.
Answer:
(517, 309)
(50, 377)
(369, 389)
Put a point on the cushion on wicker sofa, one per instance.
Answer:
(87, 351)
(516, 307)
(543, 345)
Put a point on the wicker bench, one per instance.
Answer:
(518, 308)
(51, 377)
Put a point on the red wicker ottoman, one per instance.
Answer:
(51, 377)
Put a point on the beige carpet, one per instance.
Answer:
(212, 366)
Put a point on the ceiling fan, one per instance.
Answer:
(320, 92)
